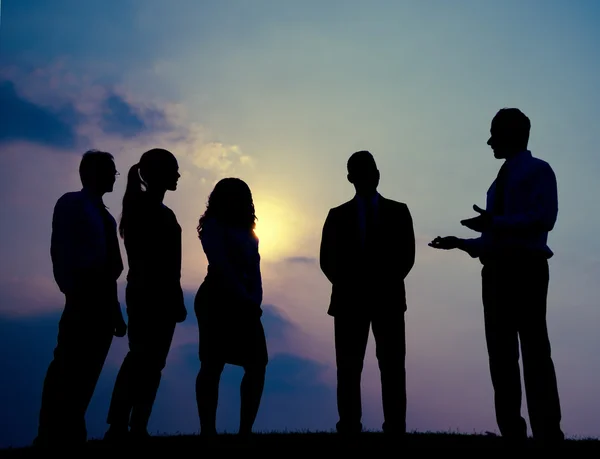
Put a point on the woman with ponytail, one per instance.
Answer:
(152, 238)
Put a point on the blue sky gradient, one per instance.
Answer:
(280, 94)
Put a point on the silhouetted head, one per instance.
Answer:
(509, 132)
(363, 173)
(155, 173)
(231, 203)
(97, 171)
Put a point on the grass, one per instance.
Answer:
(288, 444)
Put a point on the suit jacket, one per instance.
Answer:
(364, 282)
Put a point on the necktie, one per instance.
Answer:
(500, 191)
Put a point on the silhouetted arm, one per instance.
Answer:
(62, 249)
(408, 243)
(472, 247)
(541, 217)
(215, 248)
(256, 288)
(327, 250)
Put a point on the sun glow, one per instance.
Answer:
(274, 227)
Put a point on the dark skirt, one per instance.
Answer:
(229, 333)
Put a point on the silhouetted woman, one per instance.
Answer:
(228, 304)
(154, 297)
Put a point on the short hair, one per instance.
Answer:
(91, 162)
(357, 159)
(516, 121)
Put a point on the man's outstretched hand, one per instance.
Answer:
(445, 243)
(481, 223)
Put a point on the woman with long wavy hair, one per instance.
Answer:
(228, 304)
(152, 238)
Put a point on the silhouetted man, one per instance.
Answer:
(522, 207)
(87, 263)
(367, 250)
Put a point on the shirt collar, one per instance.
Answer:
(374, 199)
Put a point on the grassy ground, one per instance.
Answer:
(289, 444)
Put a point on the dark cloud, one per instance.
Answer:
(21, 119)
(119, 117)
(302, 260)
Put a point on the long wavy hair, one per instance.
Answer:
(150, 167)
(231, 203)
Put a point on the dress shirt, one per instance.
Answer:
(79, 246)
(530, 210)
(362, 203)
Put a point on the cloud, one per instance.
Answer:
(26, 297)
(302, 260)
(120, 118)
(57, 107)
(21, 119)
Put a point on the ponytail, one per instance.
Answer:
(133, 193)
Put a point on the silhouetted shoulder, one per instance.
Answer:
(538, 169)
(169, 212)
(69, 200)
(539, 165)
(395, 205)
(342, 207)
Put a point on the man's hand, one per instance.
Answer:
(481, 223)
(445, 243)
(120, 328)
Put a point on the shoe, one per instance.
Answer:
(139, 435)
(116, 435)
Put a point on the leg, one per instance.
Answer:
(150, 357)
(389, 333)
(351, 336)
(254, 381)
(54, 407)
(538, 369)
(121, 402)
(207, 395)
(503, 351)
(90, 369)
(82, 345)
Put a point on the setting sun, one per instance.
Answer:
(274, 228)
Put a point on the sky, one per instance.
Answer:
(280, 94)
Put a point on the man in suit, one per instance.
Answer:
(521, 209)
(367, 250)
(86, 262)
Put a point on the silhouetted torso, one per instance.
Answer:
(83, 241)
(375, 267)
(153, 244)
(233, 263)
(529, 210)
